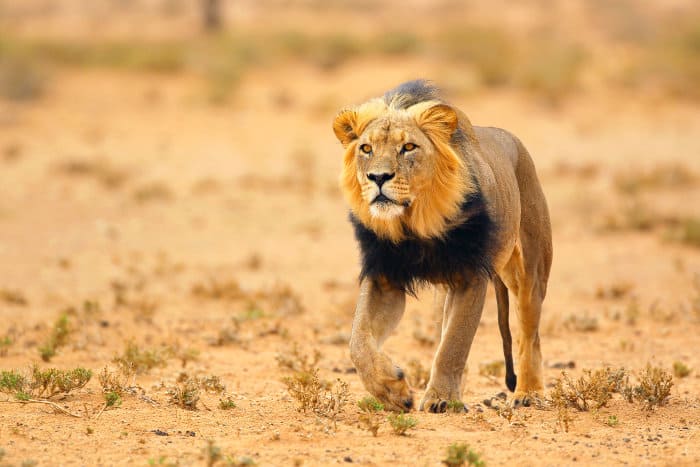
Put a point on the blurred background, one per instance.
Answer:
(168, 177)
(548, 49)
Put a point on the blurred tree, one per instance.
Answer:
(212, 14)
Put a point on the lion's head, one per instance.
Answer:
(402, 173)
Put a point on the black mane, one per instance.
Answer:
(410, 93)
(463, 252)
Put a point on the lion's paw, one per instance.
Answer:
(433, 403)
(524, 399)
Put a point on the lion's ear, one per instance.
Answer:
(345, 126)
(440, 120)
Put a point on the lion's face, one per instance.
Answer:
(400, 173)
(394, 164)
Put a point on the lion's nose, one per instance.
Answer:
(380, 178)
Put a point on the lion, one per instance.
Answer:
(435, 200)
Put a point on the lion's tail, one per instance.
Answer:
(504, 327)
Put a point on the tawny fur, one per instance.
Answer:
(431, 189)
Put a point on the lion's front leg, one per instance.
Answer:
(462, 313)
(379, 310)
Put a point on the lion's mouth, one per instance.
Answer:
(381, 199)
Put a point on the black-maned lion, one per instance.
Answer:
(436, 200)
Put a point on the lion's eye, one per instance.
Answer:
(408, 147)
(366, 148)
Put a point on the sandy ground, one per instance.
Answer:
(137, 181)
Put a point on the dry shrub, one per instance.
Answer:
(493, 369)
(5, 343)
(369, 416)
(582, 323)
(296, 360)
(218, 290)
(680, 369)
(313, 395)
(115, 382)
(459, 454)
(593, 389)
(614, 291)
(280, 299)
(418, 375)
(13, 297)
(21, 78)
(135, 359)
(43, 383)
(687, 231)
(654, 387)
(401, 423)
(57, 338)
(185, 393)
(101, 170)
(153, 191)
(552, 72)
(674, 175)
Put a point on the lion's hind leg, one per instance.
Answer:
(530, 379)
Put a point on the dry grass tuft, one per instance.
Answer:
(459, 454)
(492, 369)
(185, 393)
(134, 359)
(296, 360)
(654, 387)
(666, 176)
(313, 395)
(614, 291)
(418, 375)
(369, 416)
(593, 389)
(101, 170)
(401, 423)
(681, 370)
(57, 338)
(582, 323)
(43, 384)
(22, 78)
(13, 297)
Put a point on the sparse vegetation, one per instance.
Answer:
(493, 369)
(583, 322)
(666, 176)
(135, 359)
(22, 78)
(459, 454)
(43, 384)
(595, 389)
(100, 170)
(654, 387)
(313, 395)
(418, 375)
(227, 403)
(112, 399)
(369, 414)
(185, 393)
(58, 338)
(13, 297)
(680, 369)
(5, 343)
(456, 406)
(592, 390)
(401, 423)
(296, 360)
